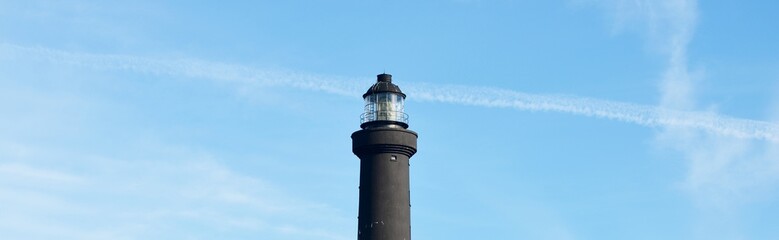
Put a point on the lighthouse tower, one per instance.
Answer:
(384, 146)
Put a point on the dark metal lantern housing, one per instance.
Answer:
(384, 104)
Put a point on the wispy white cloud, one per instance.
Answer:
(724, 173)
(247, 78)
(172, 193)
(16, 170)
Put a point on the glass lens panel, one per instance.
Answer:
(384, 107)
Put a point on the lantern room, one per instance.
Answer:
(384, 104)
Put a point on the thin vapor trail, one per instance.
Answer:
(644, 115)
(245, 76)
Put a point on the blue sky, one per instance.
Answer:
(578, 119)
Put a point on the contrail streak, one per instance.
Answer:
(627, 112)
(248, 77)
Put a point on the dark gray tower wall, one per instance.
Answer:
(384, 148)
(385, 202)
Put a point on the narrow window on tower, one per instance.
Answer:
(393, 158)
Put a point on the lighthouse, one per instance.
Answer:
(384, 145)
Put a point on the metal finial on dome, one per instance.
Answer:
(384, 77)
